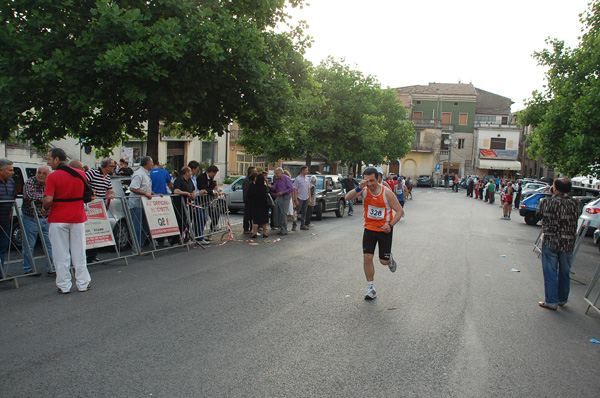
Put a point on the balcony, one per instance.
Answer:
(490, 125)
(432, 124)
(421, 147)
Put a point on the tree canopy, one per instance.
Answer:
(344, 116)
(565, 115)
(103, 70)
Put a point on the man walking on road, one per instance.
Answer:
(301, 195)
(381, 211)
(349, 184)
(559, 216)
(63, 196)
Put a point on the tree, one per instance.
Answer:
(345, 116)
(104, 70)
(565, 116)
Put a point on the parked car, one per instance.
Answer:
(532, 186)
(586, 195)
(330, 195)
(526, 194)
(234, 194)
(424, 181)
(529, 206)
(116, 213)
(597, 237)
(591, 215)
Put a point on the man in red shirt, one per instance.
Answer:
(63, 196)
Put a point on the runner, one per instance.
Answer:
(378, 203)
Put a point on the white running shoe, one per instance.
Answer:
(392, 264)
(371, 294)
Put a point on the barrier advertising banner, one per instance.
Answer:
(161, 216)
(98, 232)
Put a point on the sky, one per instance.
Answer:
(404, 43)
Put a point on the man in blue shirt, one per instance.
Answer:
(161, 179)
(7, 192)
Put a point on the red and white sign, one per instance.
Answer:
(160, 216)
(98, 232)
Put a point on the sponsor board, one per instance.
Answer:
(98, 232)
(160, 216)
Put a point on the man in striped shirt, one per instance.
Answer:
(99, 181)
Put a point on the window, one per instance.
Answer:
(498, 143)
(463, 118)
(417, 115)
(485, 119)
(417, 137)
(444, 145)
(446, 117)
(207, 151)
(456, 104)
(504, 119)
(418, 102)
(461, 143)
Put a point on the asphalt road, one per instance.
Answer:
(288, 318)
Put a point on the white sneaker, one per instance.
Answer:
(203, 242)
(392, 264)
(371, 294)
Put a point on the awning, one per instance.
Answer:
(498, 164)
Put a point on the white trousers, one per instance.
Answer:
(68, 244)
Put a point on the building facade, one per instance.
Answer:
(453, 124)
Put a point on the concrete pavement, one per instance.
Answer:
(288, 318)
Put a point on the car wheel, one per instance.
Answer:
(531, 218)
(339, 212)
(17, 236)
(121, 233)
(319, 211)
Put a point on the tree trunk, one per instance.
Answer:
(308, 160)
(153, 130)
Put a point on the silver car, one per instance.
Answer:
(591, 215)
(116, 213)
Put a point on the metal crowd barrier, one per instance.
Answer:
(208, 217)
(12, 268)
(204, 218)
(593, 302)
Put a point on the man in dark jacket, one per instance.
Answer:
(207, 185)
(245, 187)
(349, 184)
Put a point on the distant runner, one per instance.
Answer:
(378, 203)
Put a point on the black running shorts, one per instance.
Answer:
(372, 238)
